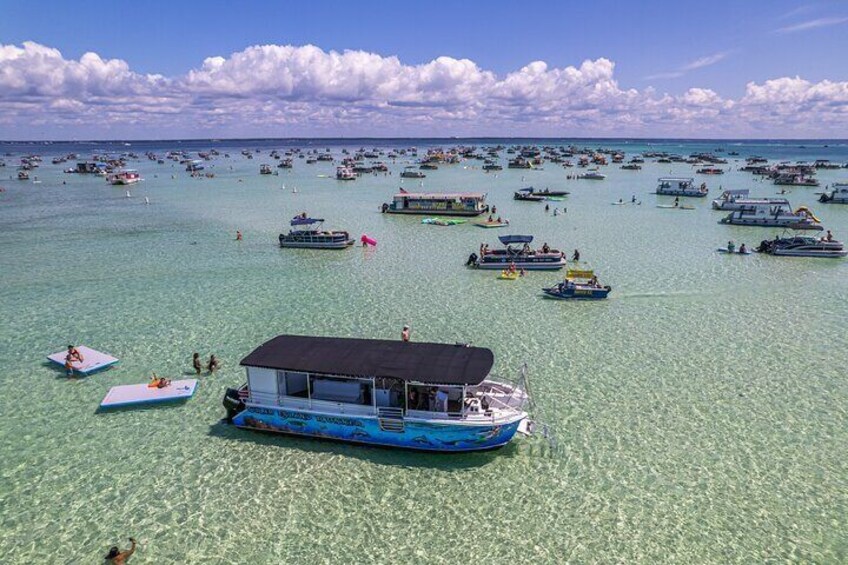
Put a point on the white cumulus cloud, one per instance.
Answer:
(285, 90)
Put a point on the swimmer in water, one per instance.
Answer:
(118, 557)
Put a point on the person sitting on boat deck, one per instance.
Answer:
(499, 220)
(118, 557)
(576, 256)
(195, 362)
(74, 354)
(743, 249)
(526, 248)
(546, 248)
(594, 281)
(404, 334)
(213, 364)
(412, 400)
(731, 246)
(828, 237)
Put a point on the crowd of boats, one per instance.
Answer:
(444, 397)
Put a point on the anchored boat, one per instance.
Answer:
(518, 253)
(441, 203)
(731, 200)
(533, 195)
(803, 246)
(307, 234)
(839, 194)
(424, 396)
(679, 186)
(773, 216)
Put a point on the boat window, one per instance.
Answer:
(341, 390)
(295, 384)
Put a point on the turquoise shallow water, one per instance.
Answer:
(700, 412)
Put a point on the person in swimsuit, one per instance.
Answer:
(74, 354)
(213, 364)
(195, 361)
(118, 557)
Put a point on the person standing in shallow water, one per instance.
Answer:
(213, 364)
(404, 335)
(195, 361)
(118, 557)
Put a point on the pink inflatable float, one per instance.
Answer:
(367, 240)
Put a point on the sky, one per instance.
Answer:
(171, 70)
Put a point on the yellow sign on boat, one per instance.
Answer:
(579, 274)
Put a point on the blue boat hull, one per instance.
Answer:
(577, 293)
(418, 435)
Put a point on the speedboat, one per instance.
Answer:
(265, 169)
(803, 246)
(306, 234)
(773, 216)
(423, 396)
(678, 186)
(578, 285)
(592, 175)
(518, 253)
(839, 194)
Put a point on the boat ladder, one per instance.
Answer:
(391, 419)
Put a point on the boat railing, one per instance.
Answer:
(272, 399)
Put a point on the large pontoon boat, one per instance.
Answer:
(517, 252)
(124, 177)
(412, 173)
(306, 233)
(731, 200)
(839, 194)
(441, 203)
(533, 195)
(424, 396)
(678, 186)
(803, 246)
(773, 216)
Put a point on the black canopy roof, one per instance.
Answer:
(431, 363)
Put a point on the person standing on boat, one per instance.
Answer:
(404, 335)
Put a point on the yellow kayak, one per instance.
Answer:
(507, 276)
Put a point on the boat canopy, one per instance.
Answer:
(736, 192)
(507, 239)
(301, 221)
(529, 189)
(430, 363)
(441, 195)
(676, 179)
